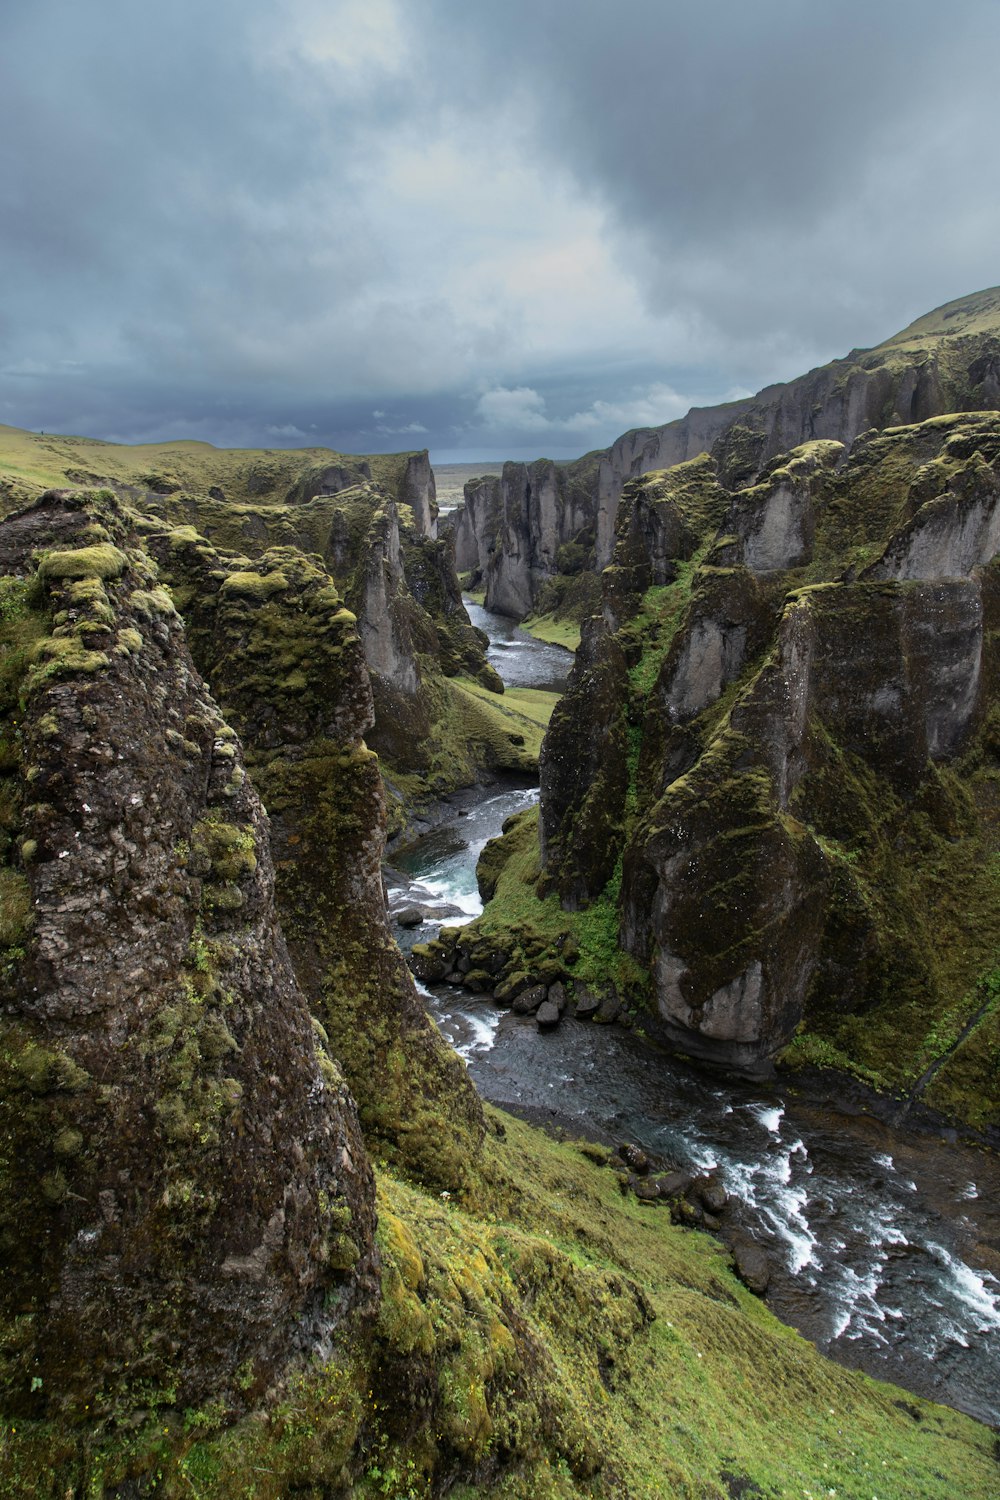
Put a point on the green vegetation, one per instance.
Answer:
(31, 462)
(534, 931)
(555, 629)
(100, 561)
(559, 1341)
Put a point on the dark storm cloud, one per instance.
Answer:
(783, 168)
(518, 228)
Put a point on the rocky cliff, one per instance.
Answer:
(187, 1202)
(284, 660)
(947, 361)
(518, 532)
(777, 757)
(510, 532)
(373, 521)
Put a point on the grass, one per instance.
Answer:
(502, 730)
(31, 462)
(518, 918)
(553, 1340)
(557, 631)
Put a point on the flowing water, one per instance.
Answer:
(885, 1247)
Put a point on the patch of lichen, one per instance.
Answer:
(560, 1341)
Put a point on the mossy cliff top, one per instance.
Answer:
(788, 797)
(31, 462)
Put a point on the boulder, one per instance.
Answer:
(711, 1193)
(633, 1156)
(587, 1002)
(673, 1184)
(557, 996)
(411, 916)
(509, 988)
(608, 1010)
(644, 1189)
(752, 1265)
(528, 1001)
(426, 964)
(547, 1016)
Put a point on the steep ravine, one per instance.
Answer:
(215, 1283)
(884, 1244)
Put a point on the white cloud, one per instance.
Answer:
(522, 409)
(402, 430)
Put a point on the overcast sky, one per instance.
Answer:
(494, 230)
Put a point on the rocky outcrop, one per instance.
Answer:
(652, 448)
(402, 586)
(474, 524)
(324, 479)
(948, 361)
(187, 1203)
(517, 532)
(418, 491)
(284, 660)
(761, 744)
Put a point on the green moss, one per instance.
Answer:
(255, 586)
(15, 908)
(63, 656)
(559, 1341)
(128, 642)
(101, 561)
(152, 604)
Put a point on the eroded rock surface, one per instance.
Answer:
(764, 746)
(187, 1202)
(285, 660)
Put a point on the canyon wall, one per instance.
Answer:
(777, 748)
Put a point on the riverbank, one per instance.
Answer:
(885, 1243)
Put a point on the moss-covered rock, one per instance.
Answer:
(164, 1240)
(287, 665)
(790, 777)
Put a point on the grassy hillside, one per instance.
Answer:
(551, 1340)
(977, 313)
(31, 462)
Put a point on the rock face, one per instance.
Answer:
(187, 1201)
(510, 531)
(517, 532)
(947, 361)
(653, 448)
(285, 662)
(763, 746)
(419, 492)
(402, 586)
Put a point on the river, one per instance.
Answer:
(885, 1245)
